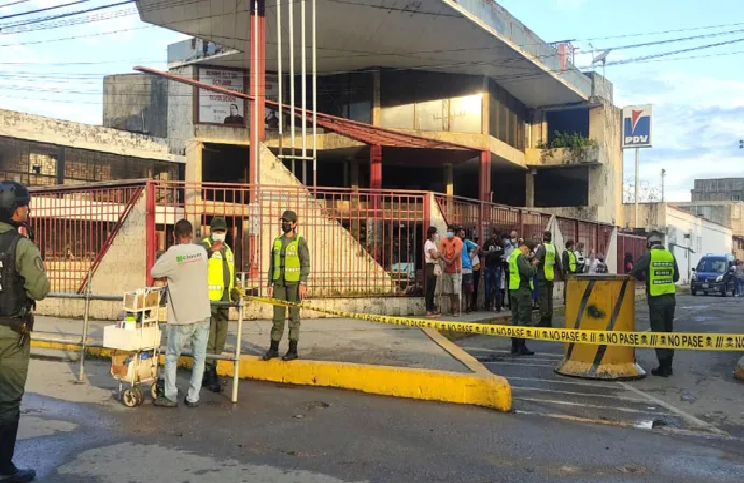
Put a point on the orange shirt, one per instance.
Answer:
(451, 251)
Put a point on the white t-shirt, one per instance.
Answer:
(429, 245)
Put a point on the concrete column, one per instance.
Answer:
(484, 176)
(193, 174)
(449, 180)
(257, 84)
(529, 184)
(354, 174)
(61, 165)
(606, 179)
(376, 109)
(538, 128)
(485, 108)
(375, 167)
(347, 181)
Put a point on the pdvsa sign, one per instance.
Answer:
(637, 126)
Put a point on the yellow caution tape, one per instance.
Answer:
(657, 340)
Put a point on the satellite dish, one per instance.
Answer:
(602, 57)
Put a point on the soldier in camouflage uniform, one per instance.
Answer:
(23, 281)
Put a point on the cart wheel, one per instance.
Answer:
(129, 398)
(154, 390)
(140, 395)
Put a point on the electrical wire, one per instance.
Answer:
(46, 9)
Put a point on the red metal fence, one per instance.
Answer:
(629, 244)
(74, 226)
(362, 242)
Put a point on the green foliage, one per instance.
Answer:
(570, 140)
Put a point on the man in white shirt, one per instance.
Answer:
(185, 266)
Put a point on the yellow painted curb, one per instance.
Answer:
(456, 351)
(472, 389)
(739, 371)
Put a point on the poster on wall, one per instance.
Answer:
(272, 94)
(216, 108)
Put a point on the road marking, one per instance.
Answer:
(506, 363)
(573, 393)
(593, 406)
(682, 414)
(578, 419)
(480, 349)
(559, 381)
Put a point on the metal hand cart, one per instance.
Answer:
(138, 336)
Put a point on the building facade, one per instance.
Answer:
(718, 189)
(37, 151)
(727, 213)
(516, 123)
(687, 235)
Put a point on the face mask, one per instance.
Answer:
(219, 237)
(286, 226)
(450, 234)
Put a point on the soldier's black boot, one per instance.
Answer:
(273, 351)
(523, 350)
(216, 385)
(515, 346)
(8, 471)
(292, 352)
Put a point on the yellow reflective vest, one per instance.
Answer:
(216, 277)
(661, 273)
(288, 262)
(514, 276)
(549, 262)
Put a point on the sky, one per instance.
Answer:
(698, 103)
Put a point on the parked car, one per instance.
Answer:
(714, 274)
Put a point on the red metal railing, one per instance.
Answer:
(361, 242)
(74, 226)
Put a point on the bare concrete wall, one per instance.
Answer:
(605, 180)
(136, 103)
(84, 136)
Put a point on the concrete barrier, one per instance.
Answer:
(476, 389)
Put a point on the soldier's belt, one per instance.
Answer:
(657, 340)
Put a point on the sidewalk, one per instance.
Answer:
(326, 339)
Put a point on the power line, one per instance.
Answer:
(18, 2)
(46, 9)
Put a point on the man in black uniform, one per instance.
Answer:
(22, 281)
(659, 267)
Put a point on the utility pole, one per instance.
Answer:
(663, 175)
(635, 220)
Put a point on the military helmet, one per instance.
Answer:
(12, 195)
(655, 239)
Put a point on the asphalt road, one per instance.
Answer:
(281, 434)
(702, 396)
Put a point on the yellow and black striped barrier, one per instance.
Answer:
(652, 340)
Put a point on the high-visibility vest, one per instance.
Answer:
(289, 262)
(549, 262)
(216, 277)
(661, 273)
(514, 276)
(571, 261)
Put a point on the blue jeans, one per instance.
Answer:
(198, 335)
(492, 283)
